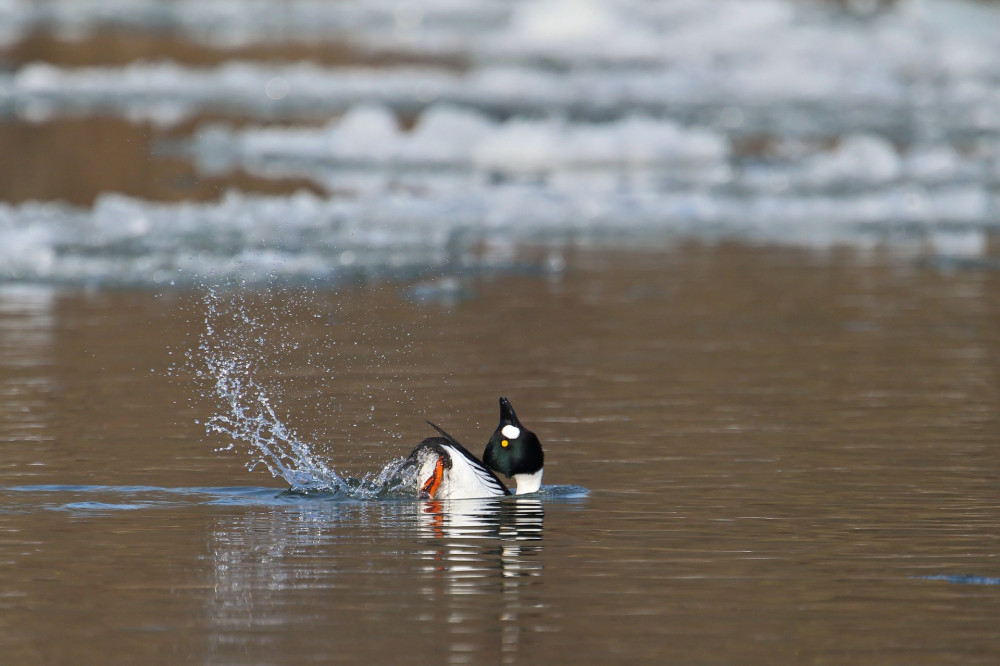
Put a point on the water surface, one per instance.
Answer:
(791, 458)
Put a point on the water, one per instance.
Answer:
(790, 458)
(734, 262)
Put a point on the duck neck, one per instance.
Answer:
(528, 483)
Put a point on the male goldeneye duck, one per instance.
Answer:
(447, 470)
(515, 451)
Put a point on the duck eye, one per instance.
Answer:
(504, 443)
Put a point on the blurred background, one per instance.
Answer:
(378, 136)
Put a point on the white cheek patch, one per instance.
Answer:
(511, 431)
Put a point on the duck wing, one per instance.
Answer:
(462, 457)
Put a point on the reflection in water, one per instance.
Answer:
(26, 323)
(468, 571)
(470, 542)
(263, 561)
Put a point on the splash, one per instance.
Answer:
(233, 347)
(250, 418)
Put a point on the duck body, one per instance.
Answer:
(447, 470)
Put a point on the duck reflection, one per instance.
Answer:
(489, 547)
(457, 580)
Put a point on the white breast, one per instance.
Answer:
(528, 483)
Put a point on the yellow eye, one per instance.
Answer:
(504, 443)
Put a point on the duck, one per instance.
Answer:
(447, 470)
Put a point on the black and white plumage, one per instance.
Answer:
(515, 451)
(447, 470)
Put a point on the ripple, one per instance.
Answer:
(963, 579)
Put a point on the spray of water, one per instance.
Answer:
(232, 347)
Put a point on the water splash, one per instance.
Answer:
(251, 419)
(233, 348)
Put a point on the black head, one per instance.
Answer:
(513, 449)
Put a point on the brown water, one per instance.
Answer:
(791, 458)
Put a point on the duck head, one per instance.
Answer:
(515, 451)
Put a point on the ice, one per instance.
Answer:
(466, 144)
(238, 22)
(859, 158)
(307, 238)
(592, 30)
(453, 149)
(167, 91)
(443, 135)
(769, 96)
(926, 69)
(558, 122)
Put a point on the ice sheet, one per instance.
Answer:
(391, 234)
(558, 122)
